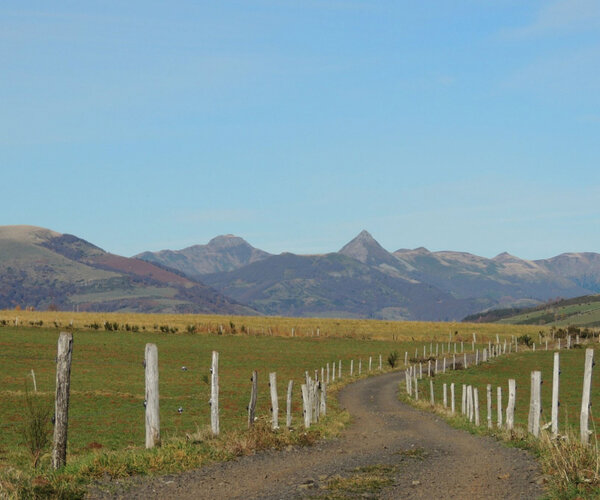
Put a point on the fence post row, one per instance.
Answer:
(61, 400)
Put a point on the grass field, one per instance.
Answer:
(519, 366)
(268, 325)
(584, 313)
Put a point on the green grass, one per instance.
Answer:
(519, 366)
(106, 415)
(584, 312)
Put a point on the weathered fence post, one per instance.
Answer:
(445, 386)
(380, 365)
(370, 360)
(585, 398)
(431, 391)
(324, 398)
(214, 394)
(463, 405)
(306, 409)
(476, 404)
(555, 392)
(61, 399)
(34, 381)
(253, 395)
(359, 366)
(452, 397)
(489, 405)
(288, 420)
(510, 407)
(152, 397)
(499, 406)
(535, 403)
(274, 400)
(340, 369)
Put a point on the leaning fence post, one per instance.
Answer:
(61, 400)
(214, 394)
(585, 398)
(253, 395)
(274, 400)
(34, 381)
(152, 397)
(535, 403)
(288, 420)
(510, 407)
(555, 392)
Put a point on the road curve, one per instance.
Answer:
(450, 463)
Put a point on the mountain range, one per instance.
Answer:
(44, 269)
(39, 267)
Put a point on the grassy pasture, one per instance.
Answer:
(107, 388)
(272, 325)
(519, 366)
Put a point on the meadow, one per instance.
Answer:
(106, 416)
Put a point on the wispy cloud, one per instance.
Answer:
(562, 16)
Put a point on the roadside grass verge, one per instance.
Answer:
(571, 470)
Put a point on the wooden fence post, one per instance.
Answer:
(585, 398)
(555, 392)
(370, 360)
(324, 398)
(445, 386)
(253, 395)
(380, 365)
(274, 400)
(463, 405)
(431, 391)
(359, 366)
(288, 420)
(214, 394)
(306, 410)
(489, 405)
(476, 405)
(510, 407)
(499, 406)
(340, 369)
(61, 399)
(152, 397)
(452, 397)
(535, 403)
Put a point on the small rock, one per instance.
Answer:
(416, 482)
(504, 476)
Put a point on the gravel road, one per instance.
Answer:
(415, 454)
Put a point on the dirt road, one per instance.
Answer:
(390, 450)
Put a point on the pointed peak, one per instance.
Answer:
(366, 249)
(506, 257)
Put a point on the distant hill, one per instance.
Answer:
(223, 253)
(41, 268)
(579, 311)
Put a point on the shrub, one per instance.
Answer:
(525, 339)
(392, 358)
(36, 427)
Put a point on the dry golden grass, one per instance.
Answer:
(269, 325)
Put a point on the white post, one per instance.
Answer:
(445, 386)
(489, 405)
(340, 369)
(452, 397)
(253, 396)
(463, 405)
(324, 398)
(288, 420)
(585, 398)
(499, 406)
(327, 372)
(274, 400)
(431, 392)
(370, 360)
(214, 394)
(476, 403)
(510, 407)
(535, 403)
(454, 361)
(444, 365)
(380, 365)
(351, 367)
(555, 392)
(359, 366)
(405, 358)
(465, 361)
(152, 397)
(34, 381)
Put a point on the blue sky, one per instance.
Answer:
(467, 125)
